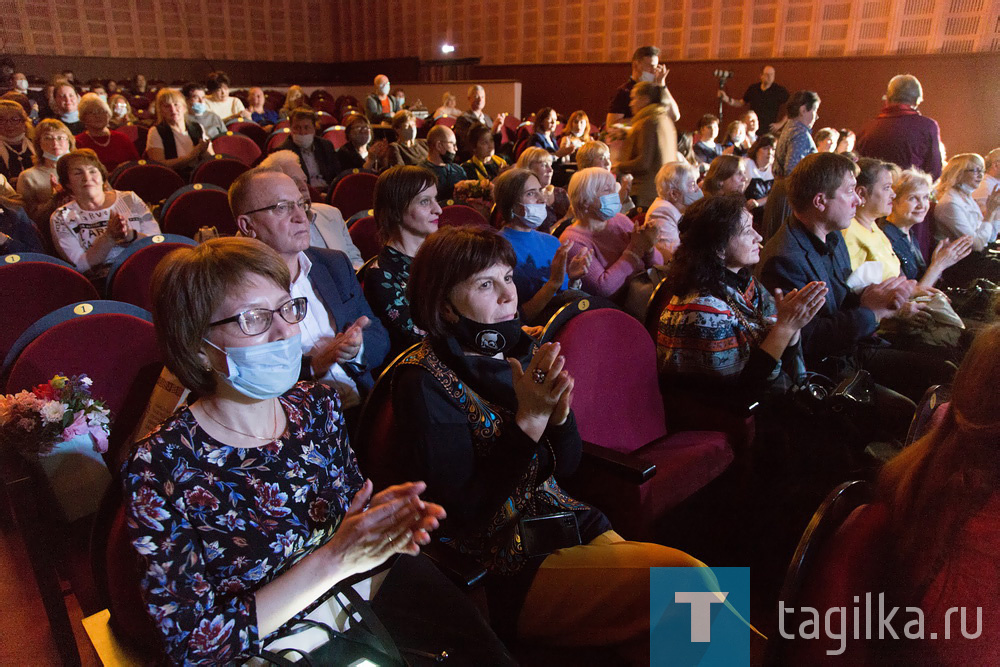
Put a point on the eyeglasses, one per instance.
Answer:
(979, 171)
(256, 321)
(284, 209)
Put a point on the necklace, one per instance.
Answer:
(106, 141)
(274, 426)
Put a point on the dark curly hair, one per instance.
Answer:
(705, 230)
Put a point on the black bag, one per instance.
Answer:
(973, 302)
(819, 395)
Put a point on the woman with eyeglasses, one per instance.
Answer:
(246, 506)
(957, 214)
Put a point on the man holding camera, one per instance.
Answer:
(765, 98)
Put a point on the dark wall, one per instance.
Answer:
(960, 91)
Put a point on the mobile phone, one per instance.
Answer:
(541, 535)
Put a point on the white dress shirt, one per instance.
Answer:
(985, 189)
(958, 214)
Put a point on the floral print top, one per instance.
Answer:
(385, 289)
(214, 523)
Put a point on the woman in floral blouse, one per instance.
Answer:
(247, 505)
(406, 212)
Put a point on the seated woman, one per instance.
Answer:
(219, 100)
(734, 142)
(485, 164)
(943, 532)
(727, 174)
(542, 269)
(827, 139)
(16, 150)
(957, 214)
(620, 249)
(198, 111)
(577, 131)
(295, 97)
(259, 114)
(318, 156)
(356, 153)
(448, 108)
(539, 162)
(492, 437)
(406, 149)
(94, 228)
(302, 518)
(544, 136)
(865, 240)
(676, 189)
(758, 163)
(175, 141)
(845, 142)
(37, 185)
(909, 208)
(112, 147)
(406, 212)
(121, 112)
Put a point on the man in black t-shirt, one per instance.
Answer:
(766, 98)
(645, 67)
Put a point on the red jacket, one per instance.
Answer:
(901, 135)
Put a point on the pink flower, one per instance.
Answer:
(77, 427)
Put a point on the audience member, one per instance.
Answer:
(400, 98)
(620, 249)
(752, 122)
(94, 228)
(448, 109)
(899, 134)
(138, 84)
(64, 106)
(112, 147)
(765, 98)
(845, 142)
(16, 150)
(121, 112)
(318, 156)
(356, 153)
(342, 340)
(380, 106)
(865, 240)
(476, 114)
(407, 149)
(585, 595)
(406, 212)
(594, 154)
(17, 232)
(794, 144)
(957, 214)
(676, 189)
(576, 132)
(826, 140)
(542, 269)
(646, 67)
(484, 164)
(544, 135)
(175, 141)
(295, 97)
(440, 161)
(989, 184)
(259, 114)
(651, 143)
(37, 185)
(759, 162)
(198, 111)
(735, 140)
(726, 174)
(706, 149)
(539, 162)
(220, 102)
(327, 228)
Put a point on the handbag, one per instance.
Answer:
(817, 394)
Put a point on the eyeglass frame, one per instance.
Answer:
(305, 204)
(238, 317)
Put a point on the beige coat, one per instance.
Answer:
(651, 143)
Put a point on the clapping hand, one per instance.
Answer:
(797, 308)
(579, 265)
(948, 253)
(543, 390)
(342, 347)
(117, 227)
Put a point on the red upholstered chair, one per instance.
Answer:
(836, 559)
(252, 130)
(151, 181)
(198, 206)
(33, 286)
(456, 215)
(282, 124)
(325, 119)
(363, 234)
(278, 137)
(136, 134)
(619, 411)
(930, 412)
(221, 171)
(353, 192)
(131, 274)
(239, 146)
(336, 135)
(445, 120)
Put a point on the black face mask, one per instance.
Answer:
(488, 339)
(448, 157)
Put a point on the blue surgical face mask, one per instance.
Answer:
(647, 76)
(199, 108)
(383, 89)
(611, 205)
(71, 117)
(691, 196)
(265, 370)
(534, 215)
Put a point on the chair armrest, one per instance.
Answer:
(461, 569)
(631, 468)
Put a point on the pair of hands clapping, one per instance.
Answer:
(342, 347)
(544, 391)
(576, 268)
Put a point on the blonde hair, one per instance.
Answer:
(165, 95)
(953, 171)
(533, 154)
(591, 153)
(909, 180)
(50, 126)
(11, 105)
(288, 99)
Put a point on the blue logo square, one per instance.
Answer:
(690, 624)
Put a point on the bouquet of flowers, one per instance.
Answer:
(34, 422)
(477, 194)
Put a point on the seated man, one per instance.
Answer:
(809, 247)
(475, 114)
(379, 106)
(342, 340)
(199, 112)
(441, 160)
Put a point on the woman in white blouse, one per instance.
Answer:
(957, 214)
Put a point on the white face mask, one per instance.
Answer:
(22, 84)
(534, 214)
(120, 109)
(691, 196)
(303, 140)
(647, 76)
(383, 89)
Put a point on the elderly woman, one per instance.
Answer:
(112, 148)
(318, 156)
(220, 102)
(295, 97)
(485, 164)
(726, 174)
(577, 131)
(539, 162)
(16, 150)
(544, 135)
(957, 214)
(912, 189)
(794, 144)
(121, 112)
(199, 112)
(406, 149)
(619, 248)
(651, 143)
(91, 230)
(676, 189)
(406, 213)
(448, 108)
(491, 475)
(175, 141)
(542, 269)
(758, 163)
(298, 521)
(264, 117)
(37, 185)
(358, 153)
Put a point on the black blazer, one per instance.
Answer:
(794, 257)
(326, 156)
(332, 278)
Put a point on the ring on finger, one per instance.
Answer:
(538, 375)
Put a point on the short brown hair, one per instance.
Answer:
(507, 189)
(65, 163)
(720, 170)
(815, 173)
(394, 190)
(400, 118)
(48, 126)
(302, 112)
(188, 286)
(446, 258)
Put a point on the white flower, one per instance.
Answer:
(86, 381)
(53, 411)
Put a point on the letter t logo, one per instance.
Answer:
(701, 611)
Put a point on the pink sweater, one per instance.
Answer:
(612, 266)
